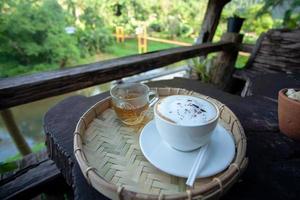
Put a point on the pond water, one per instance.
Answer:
(29, 117)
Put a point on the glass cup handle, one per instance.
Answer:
(154, 98)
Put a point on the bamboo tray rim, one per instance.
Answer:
(216, 187)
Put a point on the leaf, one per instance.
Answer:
(9, 166)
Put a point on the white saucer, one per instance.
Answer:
(220, 153)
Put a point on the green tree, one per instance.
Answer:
(256, 24)
(291, 17)
(94, 36)
(33, 32)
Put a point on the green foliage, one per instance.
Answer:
(291, 17)
(127, 13)
(155, 26)
(186, 30)
(8, 166)
(33, 32)
(173, 26)
(253, 26)
(181, 18)
(33, 37)
(9, 69)
(256, 24)
(203, 67)
(241, 61)
(175, 18)
(94, 37)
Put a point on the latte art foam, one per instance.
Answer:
(186, 110)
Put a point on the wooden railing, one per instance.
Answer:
(24, 89)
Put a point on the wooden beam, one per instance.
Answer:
(36, 174)
(211, 20)
(28, 185)
(14, 132)
(24, 89)
(169, 41)
(224, 64)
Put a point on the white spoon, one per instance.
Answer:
(198, 165)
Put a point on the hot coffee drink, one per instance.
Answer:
(186, 110)
(185, 122)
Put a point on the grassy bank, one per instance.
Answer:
(130, 47)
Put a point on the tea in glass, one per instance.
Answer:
(131, 101)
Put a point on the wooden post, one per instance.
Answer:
(142, 40)
(224, 64)
(14, 132)
(120, 37)
(211, 20)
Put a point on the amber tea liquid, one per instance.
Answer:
(130, 113)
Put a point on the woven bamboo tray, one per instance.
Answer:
(110, 158)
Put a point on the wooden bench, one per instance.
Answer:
(277, 51)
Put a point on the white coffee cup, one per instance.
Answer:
(182, 131)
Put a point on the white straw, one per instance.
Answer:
(197, 166)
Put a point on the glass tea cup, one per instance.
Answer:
(131, 101)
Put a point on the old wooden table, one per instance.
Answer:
(274, 159)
